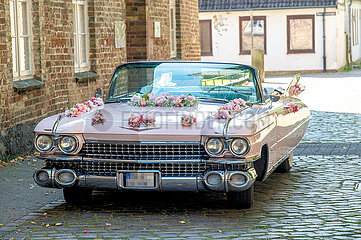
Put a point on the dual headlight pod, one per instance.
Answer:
(66, 144)
(237, 146)
(44, 143)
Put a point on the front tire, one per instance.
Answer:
(286, 165)
(76, 196)
(241, 200)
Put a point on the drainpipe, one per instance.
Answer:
(324, 39)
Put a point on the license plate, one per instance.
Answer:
(142, 180)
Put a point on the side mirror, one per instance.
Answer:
(98, 92)
(275, 96)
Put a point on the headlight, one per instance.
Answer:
(239, 146)
(214, 146)
(44, 143)
(68, 144)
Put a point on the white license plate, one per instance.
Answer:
(141, 180)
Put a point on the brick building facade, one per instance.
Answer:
(73, 49)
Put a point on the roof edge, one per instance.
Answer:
(278, 8)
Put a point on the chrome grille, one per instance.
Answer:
(107, 168)
(136, 151)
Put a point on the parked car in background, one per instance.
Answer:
(173, 126)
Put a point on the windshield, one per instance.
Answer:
(202, 80)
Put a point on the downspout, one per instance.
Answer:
(324, 39)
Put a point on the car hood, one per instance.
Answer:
(167, 127)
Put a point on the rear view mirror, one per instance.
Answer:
(275, 96)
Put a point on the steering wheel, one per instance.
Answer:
(234, 90)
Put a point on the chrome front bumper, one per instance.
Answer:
(162, 183)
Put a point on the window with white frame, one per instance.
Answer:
(81, 36)
(21, 37)
(172, 23)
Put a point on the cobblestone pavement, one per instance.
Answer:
(332, 127)
(319, 199)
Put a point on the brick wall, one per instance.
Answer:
(188, 38)
(158, 48)
(141, 42)
(53, 56)
(136, 30)
(5, 64)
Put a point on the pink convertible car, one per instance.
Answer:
(173, 126)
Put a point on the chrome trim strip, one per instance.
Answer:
(143, 161)
(295, 129)
(56, 124)
(170, 143)
(79, 158)
(143, 142)
(59, 157)
(163, 183)
(233, 161)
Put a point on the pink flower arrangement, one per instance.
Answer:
(188, 120)
(136, 120)
(290, 107)
(230, 109)
(85, 107)
(296, 90)
(98, 118)
(165, 100)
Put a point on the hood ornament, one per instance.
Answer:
(140, 128)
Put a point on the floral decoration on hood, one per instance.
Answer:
(188, 120)
(85, 107)
(230, 109)
(290, 107)
(145, 120)
(165, 100)
(296, 90)
(98, 118)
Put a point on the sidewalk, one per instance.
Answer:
(19, 194)
(328, 92)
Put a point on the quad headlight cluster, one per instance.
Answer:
(237, 146)
(66, 144)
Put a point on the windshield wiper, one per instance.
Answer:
(212, 99)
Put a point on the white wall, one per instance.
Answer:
(356, 50)
(340, 37)
(225, 36)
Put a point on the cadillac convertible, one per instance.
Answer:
(173, 126)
